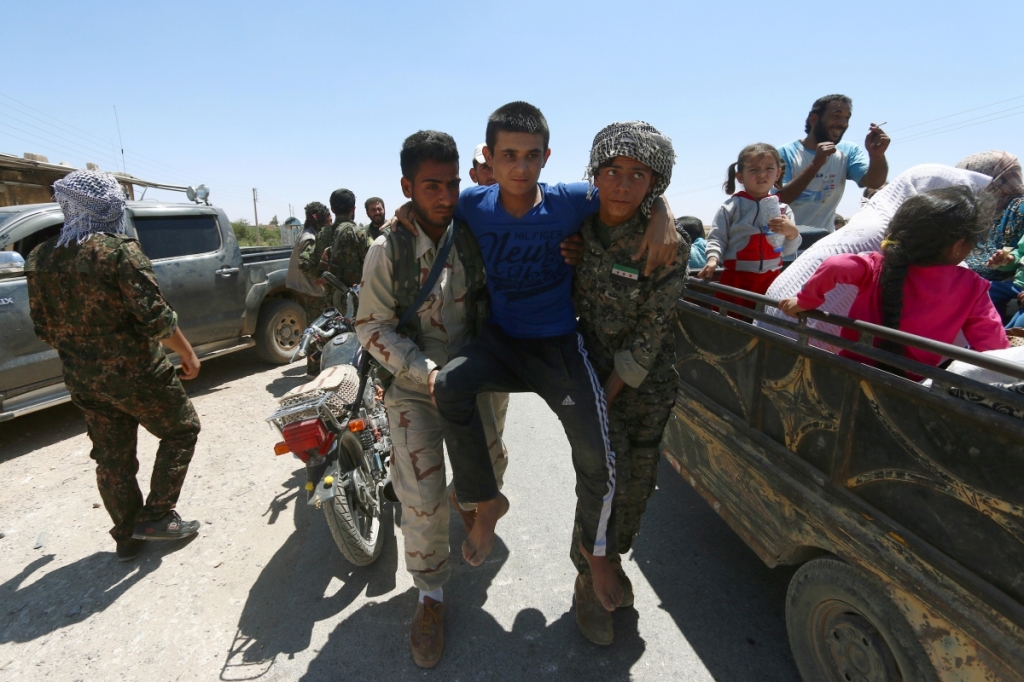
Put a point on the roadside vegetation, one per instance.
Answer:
(245, 232)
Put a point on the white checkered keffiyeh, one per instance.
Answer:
(637, 140)
(92, 202)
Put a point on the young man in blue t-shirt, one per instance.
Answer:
(531, 343)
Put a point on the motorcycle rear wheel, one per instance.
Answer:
(356, 533)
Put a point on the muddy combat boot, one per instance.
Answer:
(170, 527)
(129, 549)
(593, 620)
(627, 587)
(426, 636)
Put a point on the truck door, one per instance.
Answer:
(200, 273)
(26, 363)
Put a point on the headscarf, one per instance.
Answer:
(92, 202)
(637, 140)
(317, 215)
(1005, 171)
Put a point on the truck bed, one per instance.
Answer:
(804, 452)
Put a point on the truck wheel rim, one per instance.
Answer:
(848, 646)
(288, 331)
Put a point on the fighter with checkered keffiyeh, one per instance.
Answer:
(625, 319)
(93, 296)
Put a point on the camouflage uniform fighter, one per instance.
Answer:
(396, 267)
(93, 297)
(302, 270)
(625, 321)
(348, 245)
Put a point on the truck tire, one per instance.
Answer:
(279, 329)
(842, 627)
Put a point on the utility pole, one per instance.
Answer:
(255, 215)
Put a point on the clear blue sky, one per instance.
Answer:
(300, 98)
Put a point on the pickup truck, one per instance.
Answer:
(901, 503)
(227, 298)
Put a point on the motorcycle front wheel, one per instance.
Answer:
(356, 532)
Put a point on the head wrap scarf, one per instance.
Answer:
(1005, 171)
(92, 202)
(317, 215)
(636, 140)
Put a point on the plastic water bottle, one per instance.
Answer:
(770, 209)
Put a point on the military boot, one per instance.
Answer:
(593, 619)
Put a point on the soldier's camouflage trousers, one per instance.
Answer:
(418, 474)
(113, 413)
(313, 306)
(637, 420)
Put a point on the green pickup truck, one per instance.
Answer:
(227, 298)
(902, 503)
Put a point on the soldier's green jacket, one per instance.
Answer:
(348, 250)
(98, 303)
(625, 318)
(309, 259)
(373, 232)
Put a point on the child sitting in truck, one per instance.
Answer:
(915, 284)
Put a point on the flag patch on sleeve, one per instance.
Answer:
(624, 274)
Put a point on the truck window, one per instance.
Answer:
(24, 246)
(176, 236)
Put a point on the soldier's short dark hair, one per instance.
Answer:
(516, 117)
(371, 201)
(821, 105)
(427, 145)
(692, 226)
(342, 201)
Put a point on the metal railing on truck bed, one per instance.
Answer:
(805, 452)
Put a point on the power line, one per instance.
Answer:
(968, 125)
(967, 111)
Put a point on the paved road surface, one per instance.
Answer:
(263, 594)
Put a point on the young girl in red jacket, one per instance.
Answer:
(752, 230)
(915, 284)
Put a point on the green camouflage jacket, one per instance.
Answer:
(348, 250)
(98, 303)
(626, 318)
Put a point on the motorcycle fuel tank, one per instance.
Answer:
(341, 350)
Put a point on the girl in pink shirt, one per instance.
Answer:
(915, 284)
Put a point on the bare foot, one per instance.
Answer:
(468, 516)
(481, 539)
(606, 583)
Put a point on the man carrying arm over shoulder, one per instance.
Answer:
(396, 267)
(626, 323)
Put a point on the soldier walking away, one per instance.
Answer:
(626, 323)
(302, 271)
(398, 267)
(93, 296)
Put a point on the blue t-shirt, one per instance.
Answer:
(816, 205)
(529, 281)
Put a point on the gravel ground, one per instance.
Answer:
(263, 593)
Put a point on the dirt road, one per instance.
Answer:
(262, 593)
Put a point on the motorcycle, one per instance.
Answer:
(337, 426)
